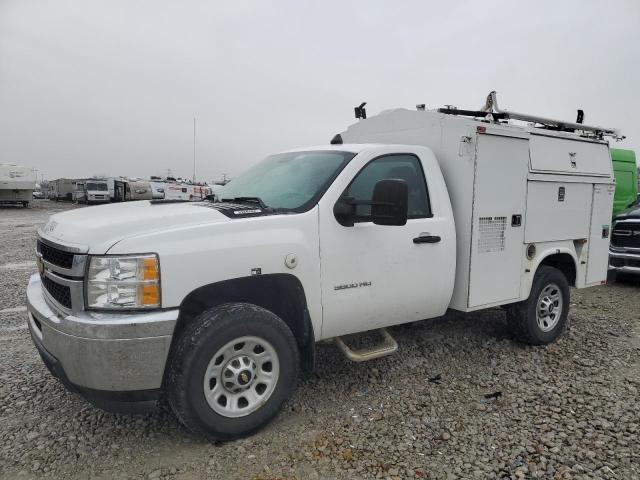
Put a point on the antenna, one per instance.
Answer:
(194, 150)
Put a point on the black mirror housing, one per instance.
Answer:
(390, 202)
(345, 211)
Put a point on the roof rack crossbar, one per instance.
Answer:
(492, 106)
(471, 113)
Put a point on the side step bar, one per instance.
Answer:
(387, 347)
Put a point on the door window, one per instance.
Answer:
(403, 167)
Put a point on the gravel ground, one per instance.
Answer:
(459, 400)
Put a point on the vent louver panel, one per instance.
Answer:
(491, 238)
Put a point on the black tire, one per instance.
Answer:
(522, 317)
(195, 348)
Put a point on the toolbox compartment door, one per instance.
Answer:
(569, 157)
(557, 211)
(600, 234)
(498, 219)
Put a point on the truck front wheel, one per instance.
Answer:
(230, 370)
(542, 317)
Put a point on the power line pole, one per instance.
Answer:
(194, 150)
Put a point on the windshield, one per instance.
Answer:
(288, 180)
(102, 187)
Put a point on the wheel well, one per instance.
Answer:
(563, 262)
(281, 294)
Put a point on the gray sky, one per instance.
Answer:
(111, 87)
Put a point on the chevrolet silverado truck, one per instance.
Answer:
(216, 305)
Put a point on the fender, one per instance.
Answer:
(556, 254)
(280, 293)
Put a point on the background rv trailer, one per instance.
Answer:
(157, 189)
(186, 191)
(63, 189)
(16, 184)
(127, 190)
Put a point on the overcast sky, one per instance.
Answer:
(112, 87)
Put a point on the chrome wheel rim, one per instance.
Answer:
(241, 376)
(549, 307)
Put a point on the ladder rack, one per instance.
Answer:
(492, 111)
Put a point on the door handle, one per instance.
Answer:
(427, 239)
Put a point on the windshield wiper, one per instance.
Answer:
(257, 200)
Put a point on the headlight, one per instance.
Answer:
(126, 282)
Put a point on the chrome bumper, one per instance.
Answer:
(121, 352)
(624, 262)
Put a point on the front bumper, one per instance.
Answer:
(116, 361)
(93, 199)
(624, 262)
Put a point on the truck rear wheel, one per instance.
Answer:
(230, 370)
(542, 317)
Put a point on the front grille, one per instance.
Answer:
(56, 257)
(626, 235)
(60, 293)
(624, 262)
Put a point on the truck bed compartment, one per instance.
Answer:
(556, 211)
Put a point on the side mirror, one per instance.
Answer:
(345, 211)
(390, 200)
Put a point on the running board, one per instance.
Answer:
(387, 347)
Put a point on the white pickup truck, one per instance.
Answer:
(216, 306)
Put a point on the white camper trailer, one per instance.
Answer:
(177, 191)
(63, 189)
(126, 190)
(157, 189)
(16, 184)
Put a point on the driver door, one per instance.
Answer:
(377, 275)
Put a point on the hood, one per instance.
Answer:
(633, 212)
(96, 229)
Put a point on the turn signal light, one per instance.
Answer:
(149, 294)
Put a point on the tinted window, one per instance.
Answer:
(403, 167)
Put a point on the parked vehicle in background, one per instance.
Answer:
(128, 190)
(186, 191)
(157, 189)
(625, 170)
(63, 189)
(78, 192)
(624, 254)
(111, 187)
(38, 194)
(217, 305)
(176, 191)
(200, 192)
(17, 184)
(92, 192)
(96, 191)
